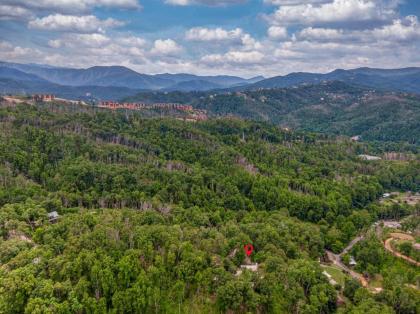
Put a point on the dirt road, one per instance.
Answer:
(388, 247)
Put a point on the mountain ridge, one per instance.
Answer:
(404, 79)
(120, 76)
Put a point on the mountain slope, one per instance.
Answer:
(333, 107)
(406, 80)
(14, 74)
(152, 215)
(195, 85)
(10, 86)
(119, 76)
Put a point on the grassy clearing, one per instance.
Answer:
(335, 273)
(376, 282)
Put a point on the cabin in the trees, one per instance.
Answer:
(369, 157)
(53, 217)
(43, 97)
(392, 224)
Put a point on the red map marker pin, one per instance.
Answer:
(248, 248)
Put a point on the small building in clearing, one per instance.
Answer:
(43, 97)
(369, 157)
(392, 224)
(53, 216)
(352, 261)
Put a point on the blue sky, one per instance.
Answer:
(241, 37)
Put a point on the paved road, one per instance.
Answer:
(351, 244)
(336, 259)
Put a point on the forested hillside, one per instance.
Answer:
(333, 107)
(154, 214)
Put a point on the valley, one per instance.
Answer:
(153, 203)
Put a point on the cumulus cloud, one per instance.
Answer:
(9, 12)
(204, 2)
(400, 30)
(234, 57)
(406, 29)
(333, 12)
(235, 36)
(80, 40)
(294, 2)
(165, 47)
(17, 53)
(133, 41)
(215, 34)
(277, 32)
(66, 6)
(72, 23)
(320, 34)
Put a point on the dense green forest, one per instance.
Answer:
(331, 107)
(154, 213)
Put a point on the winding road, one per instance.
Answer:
(336, 260)
(388, 247)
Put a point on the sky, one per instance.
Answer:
(211, 37)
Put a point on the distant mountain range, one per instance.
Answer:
(30, 78)
(116, 82)
(404, 80)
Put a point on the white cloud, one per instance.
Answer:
(69, 6)
(249, 43)
(215, 34)
(72, 23)
(235, 36)
(406, 29)
(204, 2)
(400, 30)
(320, 34)
(277, 32)
(165, 47)
(131, 41)
(55, 43)
(80, 41)
(234, 57)
(333, 12)
(294, 2)
(9, 12)
(17, 53)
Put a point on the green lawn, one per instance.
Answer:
(335, 273)
(376, 282)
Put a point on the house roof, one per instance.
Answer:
(53, 215)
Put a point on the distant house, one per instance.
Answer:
(352, 261)
(416, 246)
(53, 216)
(355, 138)
(386, 195)
(43, 97)
(392, 224)
(369, 157)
